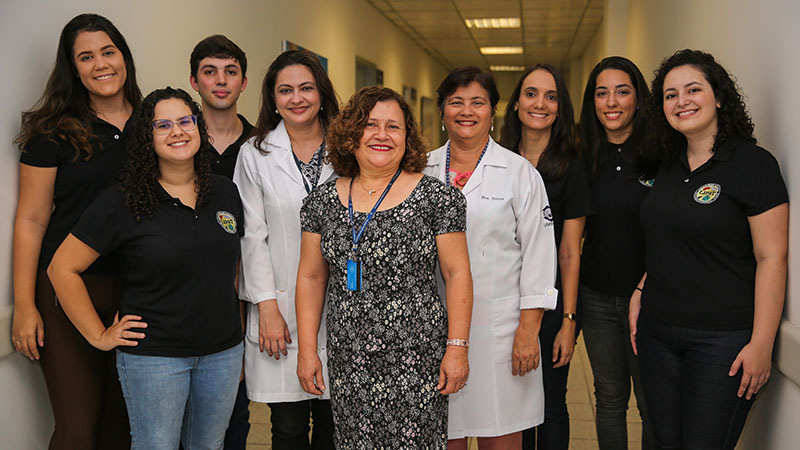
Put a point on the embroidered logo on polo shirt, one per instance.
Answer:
(226, 221)
(707, 193)
(647, 183)
(547, 214)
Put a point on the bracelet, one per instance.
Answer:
(458, 343)
(638, 289)
(570, 316)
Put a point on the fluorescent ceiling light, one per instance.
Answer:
(495, 22)
(507, 68)
(501, 50)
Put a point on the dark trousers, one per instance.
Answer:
(290, 425)
(685, 377)
(82, 381)
(553, 434)
(606, 332)
(239, 426)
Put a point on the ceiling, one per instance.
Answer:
(552, 31)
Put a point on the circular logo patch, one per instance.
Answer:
(647, 183)
(226, 221)
(707, 193)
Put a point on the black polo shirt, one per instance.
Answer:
(700, 261)
(224, 163)
(77, 182)
(612, 261)
(178, 267)
(568, 196)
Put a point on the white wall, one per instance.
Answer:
(757, 42)
(161, 35)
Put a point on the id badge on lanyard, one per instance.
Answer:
(354, 269)
(353, 274)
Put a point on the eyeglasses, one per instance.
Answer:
(164, 126)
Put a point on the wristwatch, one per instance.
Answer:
(570, 316)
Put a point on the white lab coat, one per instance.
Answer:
(512, 254)
(272, 192)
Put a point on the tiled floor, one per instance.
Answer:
(580, 401)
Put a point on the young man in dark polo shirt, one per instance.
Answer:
(219, 75)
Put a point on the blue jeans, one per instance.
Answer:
(606, 333)
(290, 425)
(186, 400)
(685, 378)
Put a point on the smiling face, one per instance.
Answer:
(219, 81)
(468, 113)
(689, 102)
(178, 146)
(537, 106)
(100, 65)
(296, 96)
(383, 142)
(615, 103)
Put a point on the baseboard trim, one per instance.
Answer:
(6, 348)
(787, 347)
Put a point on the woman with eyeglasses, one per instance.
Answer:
(72, 143)
(175, 229)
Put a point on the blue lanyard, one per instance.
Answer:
(357, 237)
(447, 164)
(317, 155)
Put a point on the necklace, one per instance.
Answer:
(461, 177)
(368, 191)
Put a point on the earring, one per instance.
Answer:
(321, 108)
(637, 107)
(443, 127)
(492, 129)
(276, 110)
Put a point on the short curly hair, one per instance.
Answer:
(346, 130)
(140, 171)
(733, 119)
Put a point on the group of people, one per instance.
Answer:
(325, 263)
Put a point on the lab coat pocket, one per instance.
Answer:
(253, 319)
(505, 319)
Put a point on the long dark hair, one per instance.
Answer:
(268, 118)
(561, 148)
(593, 134)
(64, 110)
(140, 172)
(733, 119)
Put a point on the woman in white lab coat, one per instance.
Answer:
(276, 169)
(513, 259)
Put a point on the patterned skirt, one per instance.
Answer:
(387, 399)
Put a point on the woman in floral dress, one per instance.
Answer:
(373, 239)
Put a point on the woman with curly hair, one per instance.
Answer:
(540, 126)
(372, 239)
(612, 130)
(72, 143)
(277, 168)
(705, 314)
(513, 258)
(175, 229)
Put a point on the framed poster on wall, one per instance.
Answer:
(289, 45)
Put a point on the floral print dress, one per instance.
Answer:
(386, 341)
